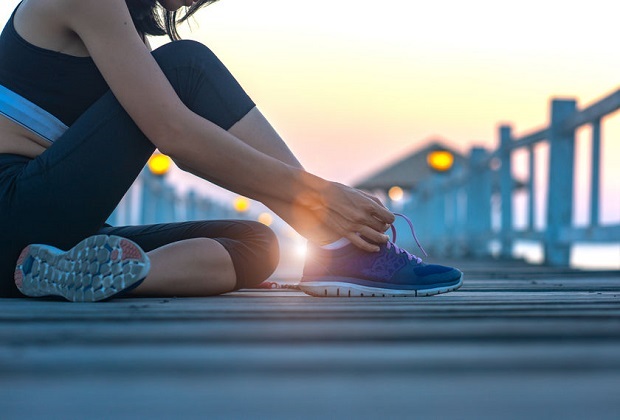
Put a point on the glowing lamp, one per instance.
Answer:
(396, 193)
(266, 219)
(440, 160)
(241, 204)
(159, 164)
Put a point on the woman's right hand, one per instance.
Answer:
(355, 215)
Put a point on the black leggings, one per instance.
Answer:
(68, 192)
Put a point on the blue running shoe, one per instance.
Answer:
(392, 271)
(97, 268)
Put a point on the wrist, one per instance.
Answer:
(312, 191)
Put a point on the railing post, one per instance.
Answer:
(152, 189)
(506, 186)
(531, 190)
(595, 177)
(560, 189)
(191, 203)
(478, 216)
(435, 220)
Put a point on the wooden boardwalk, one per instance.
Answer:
(516, 341)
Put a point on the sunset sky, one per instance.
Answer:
(353, 85)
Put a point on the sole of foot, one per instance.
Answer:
(95, 269)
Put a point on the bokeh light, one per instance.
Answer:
(265, 218)
(396, 193)
(159, 164)
(440, 160)
(241, 204)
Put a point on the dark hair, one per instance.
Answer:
(151, 18)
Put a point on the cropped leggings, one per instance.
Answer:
(67, 193)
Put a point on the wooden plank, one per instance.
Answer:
(515, 339)
(574, 395)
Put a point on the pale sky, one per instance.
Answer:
(354, 84)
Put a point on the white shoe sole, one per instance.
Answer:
(97, 268)
(342, 289)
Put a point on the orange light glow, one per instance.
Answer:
(159, 164)
(241, 204)
(396, 193)
(266, 219)
(440, 160)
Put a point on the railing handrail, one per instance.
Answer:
(439, 199)
(594, 112)
(588, 115)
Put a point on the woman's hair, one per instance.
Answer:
(151, 18)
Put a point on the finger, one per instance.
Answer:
(370, 219)
(373, 236)
(361, 243)
(374, 198)
(384, 215)
(378, 225)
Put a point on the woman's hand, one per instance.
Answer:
(355, 215)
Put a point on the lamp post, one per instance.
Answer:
(157, 204)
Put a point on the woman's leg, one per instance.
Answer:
(234, 111)
(67, 193)
(203, 258)
(193, 267)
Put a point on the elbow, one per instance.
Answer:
(165, 136)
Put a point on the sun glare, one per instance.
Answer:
(301, 249)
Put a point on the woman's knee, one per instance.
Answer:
(203, 82)
(254, 250)
(185, 53)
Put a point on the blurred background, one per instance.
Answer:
(356, 86)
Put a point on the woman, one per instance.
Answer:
(83, 105)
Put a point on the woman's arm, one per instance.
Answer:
(143, 90)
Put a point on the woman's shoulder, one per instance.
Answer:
(64, 10)
(51, 24)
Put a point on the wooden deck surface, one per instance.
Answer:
(516, 341)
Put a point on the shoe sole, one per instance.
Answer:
(96, 269)
(343, 289)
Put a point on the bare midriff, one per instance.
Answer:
(18, 140)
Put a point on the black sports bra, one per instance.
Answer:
(61, 84)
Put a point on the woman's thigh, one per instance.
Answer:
(69, 191)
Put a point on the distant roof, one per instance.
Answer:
(409, 171)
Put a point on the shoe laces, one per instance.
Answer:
(398, 250)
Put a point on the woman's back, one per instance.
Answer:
(43, 63)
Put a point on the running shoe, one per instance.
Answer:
(96, 269)
(350, 271)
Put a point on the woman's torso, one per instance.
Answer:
(41, 60)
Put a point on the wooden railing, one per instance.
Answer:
(455, 213)
(154, 200)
